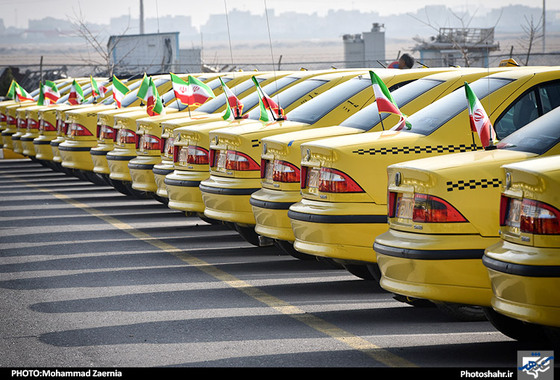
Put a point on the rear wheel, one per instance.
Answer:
(359, 270)
(462, 312)
(288, 247)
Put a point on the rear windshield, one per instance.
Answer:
(290, 95)
(369, 117)
(536, 137)
(433, 116)
(318, 107)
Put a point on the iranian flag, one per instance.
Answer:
(234, 107)
(76, 95)
(119, 91)
(17, 92)
(48, 93)
(267, 104)
(385, 102)
(143, 89)
(154, 106)
(96, 90)
(480, 122)
(192, 91)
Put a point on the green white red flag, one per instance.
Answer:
(16, 92)
(269, 109)
(154, 106)
(479, 120)
(119, 91)
(48, 93)
(143, 89)
(76, 95)
(191, 92)
(96, 90)
(385, 102)
(234, 107)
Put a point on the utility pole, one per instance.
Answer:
(142, 16)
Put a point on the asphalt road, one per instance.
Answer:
(93, 278)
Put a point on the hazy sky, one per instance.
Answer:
(18, 12)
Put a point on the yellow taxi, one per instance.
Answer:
(444, 213)
(281, 156)
(149, 130)
(250, 102)
(235, 172)
(125, 126)
(179, 176)
(344, 179)
(524, 265)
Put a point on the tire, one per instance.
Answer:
(515, 328)
(288, 248)
(248, 233)
(360, 271)
(465, 313)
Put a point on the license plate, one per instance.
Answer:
(405, 207)
(313, 178)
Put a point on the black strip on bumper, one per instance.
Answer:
(520, 269)
(180, 183)
(216, 190)
(98, 152)
(270, 205)
(74, 149)
(120, 158)
(135, 166)
(159, 171)
(333, 219)
(417, 254)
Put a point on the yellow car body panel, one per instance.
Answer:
(441, 128)
(226, 193)
(270, 203)
(181, 181)
(523, 266)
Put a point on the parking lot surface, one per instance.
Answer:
(91, 277)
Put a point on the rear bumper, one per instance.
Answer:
(525, 282)
(446, 268)
(270, 209)
(183, 192)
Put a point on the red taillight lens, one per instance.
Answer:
(196, 155)
(212, 157)
(430, 209)
(78, 130)
(233, 160)
(11, 120)
(530, 216)
(46, 126)
(106, 132)
(391, 204)
(126, 136)
(335, 181)
(32, 124)
(283, 171)
(167, 148)
(3, 118)
(21, 123)
(149, 142)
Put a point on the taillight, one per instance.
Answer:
(46, 126)
(431, 209)
(196, 155)
(530, 216)
(106, 132)
(391, 204)
(78, 130)
(150, 142)
(11, 120)
(335, 181)
(233, 160)
(32, 124)
(2, 117)
(126, 136)
(283, 171)
(167, 148)
(21, 123)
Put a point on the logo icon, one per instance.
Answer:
(535, 365)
